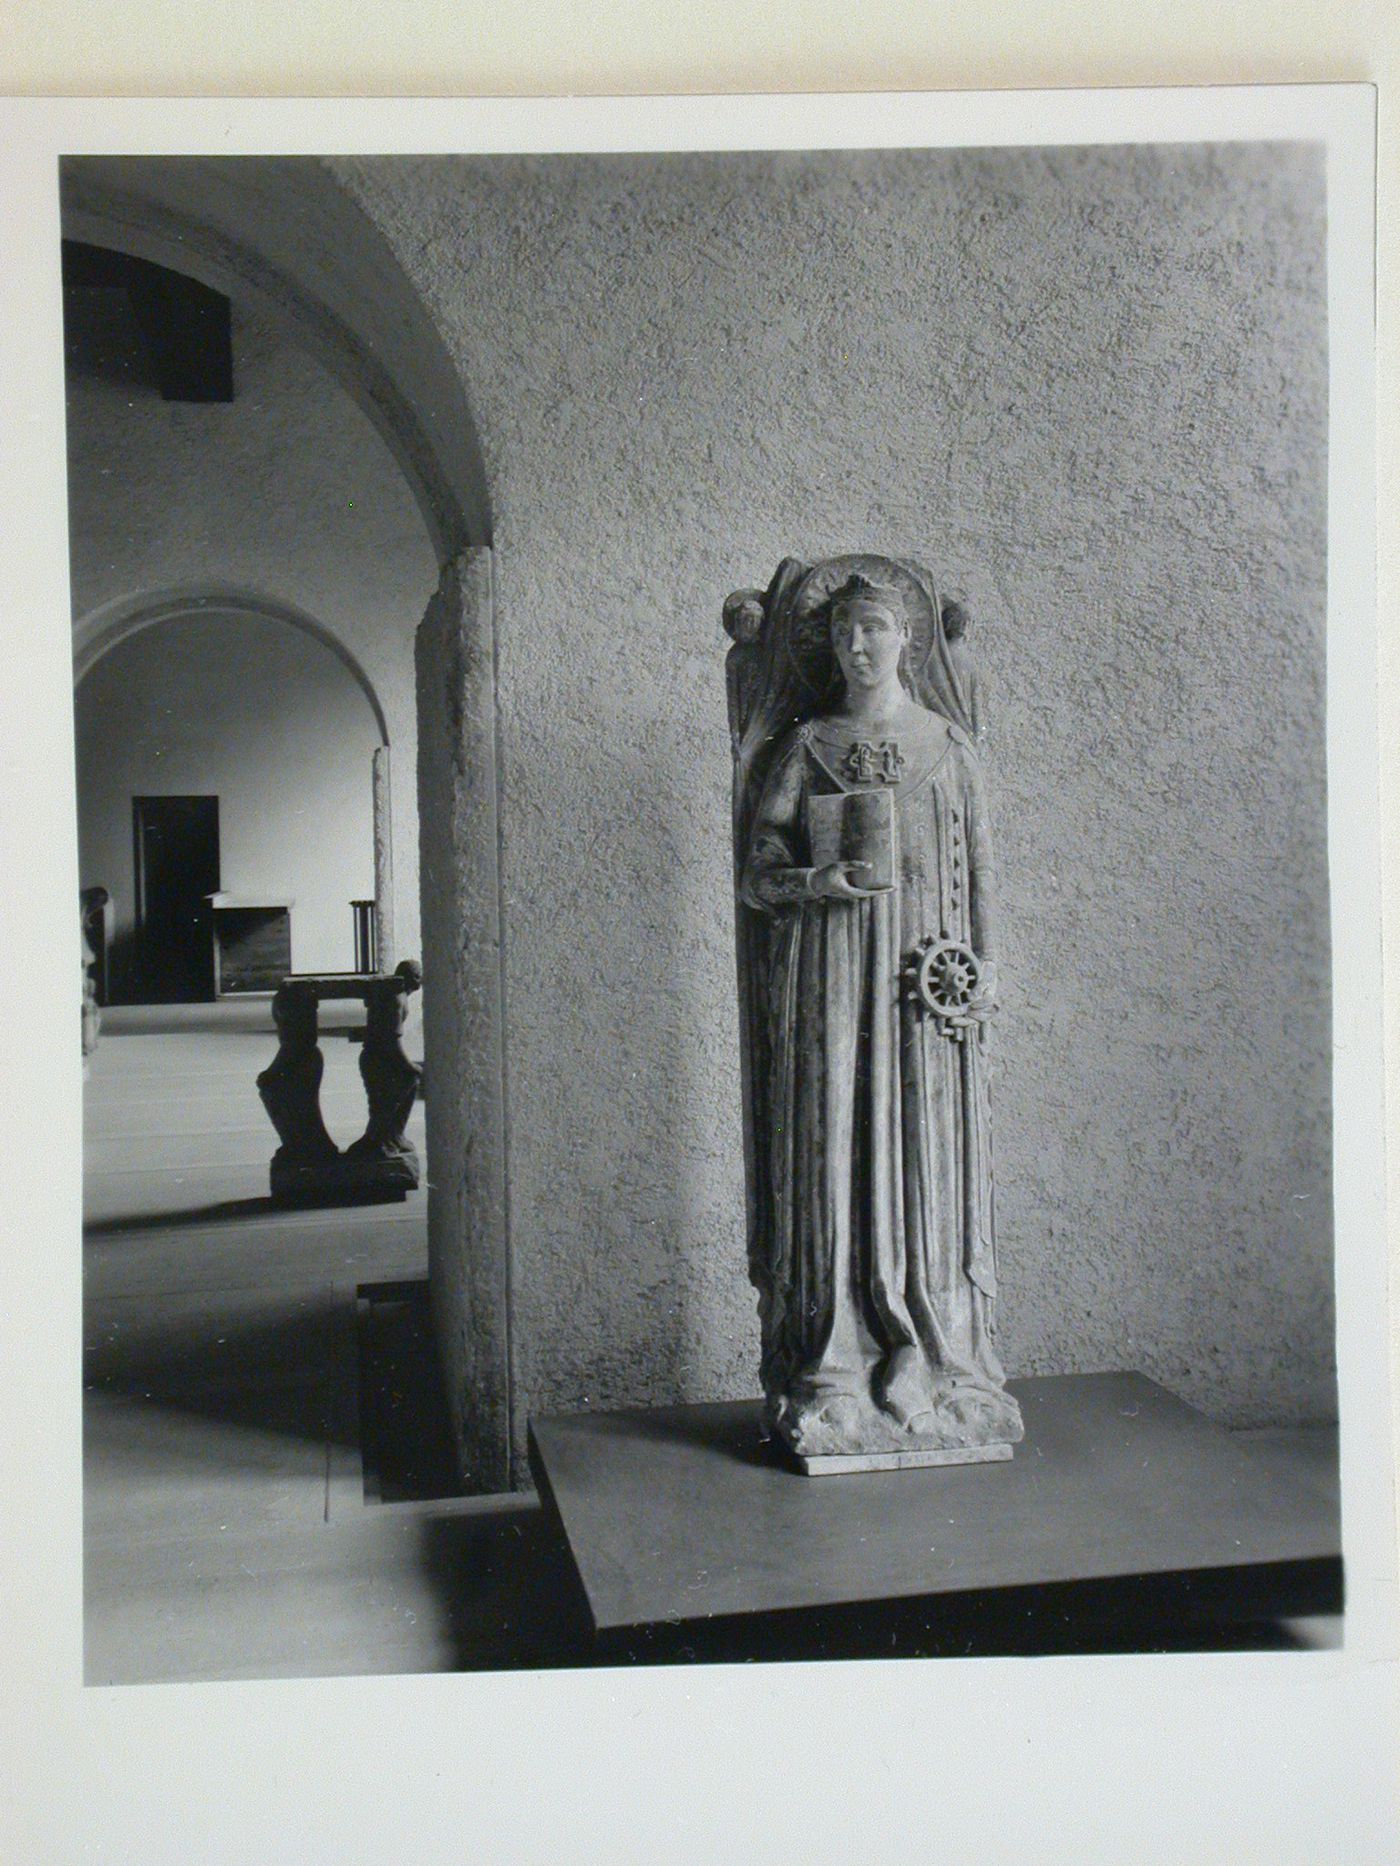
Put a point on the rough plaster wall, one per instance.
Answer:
(287, 491)
(1088, 388)
(269, 721)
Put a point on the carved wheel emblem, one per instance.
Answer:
(942, 977)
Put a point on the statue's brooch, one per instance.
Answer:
(865, 763)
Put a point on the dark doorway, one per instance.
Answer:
(177, 867)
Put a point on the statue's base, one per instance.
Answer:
(839, 1463)
(958, 1423)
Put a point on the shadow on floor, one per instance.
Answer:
(266, 1359)
(405, 1436)
(507, 1593)
(283, 1361)
(226, 1211)
(511, 1601)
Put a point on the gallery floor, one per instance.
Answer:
(254, 1407)
(234, 1526)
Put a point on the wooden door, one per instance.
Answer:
(177, 866)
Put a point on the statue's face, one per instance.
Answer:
(867, 642)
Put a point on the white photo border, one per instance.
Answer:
(1277, 1756)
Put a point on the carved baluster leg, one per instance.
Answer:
(290, 1088)
(391, 1085)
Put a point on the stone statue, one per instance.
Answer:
(867, 980)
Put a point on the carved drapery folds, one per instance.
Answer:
(867, 978)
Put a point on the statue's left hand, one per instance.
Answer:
(982, 1007)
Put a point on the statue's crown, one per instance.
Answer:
(858, 588)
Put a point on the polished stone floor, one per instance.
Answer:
(235, 1525)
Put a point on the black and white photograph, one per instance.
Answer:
(713, 969)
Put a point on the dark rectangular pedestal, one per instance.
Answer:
(685, 1513)
(345, 1179)
(252, 948)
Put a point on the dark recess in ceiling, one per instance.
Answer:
(130, 319)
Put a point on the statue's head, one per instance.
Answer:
(952, 610)
(869, 632)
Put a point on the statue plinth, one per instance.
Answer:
(845, 1464)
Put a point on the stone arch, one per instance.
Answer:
(97, 633)
(281, 235)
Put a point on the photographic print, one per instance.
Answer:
(511, 1321)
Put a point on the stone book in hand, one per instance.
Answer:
(854, 826)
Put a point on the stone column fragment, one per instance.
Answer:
(462, 1022)
(386, 957)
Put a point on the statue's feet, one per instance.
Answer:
(945, 1410)
(906, 1389)
(913, 1407)
(823, 1425)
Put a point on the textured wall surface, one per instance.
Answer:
(286, 491)
(1088, 388)
(266, 719)
(468, 1261)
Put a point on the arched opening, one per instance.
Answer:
(97, 633)
(228, 756)
(282, 237)
(291, 250)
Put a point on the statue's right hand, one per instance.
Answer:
(838, 881)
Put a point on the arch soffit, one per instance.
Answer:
(106, 627)
(281, 235)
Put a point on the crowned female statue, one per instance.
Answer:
(867, 979)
